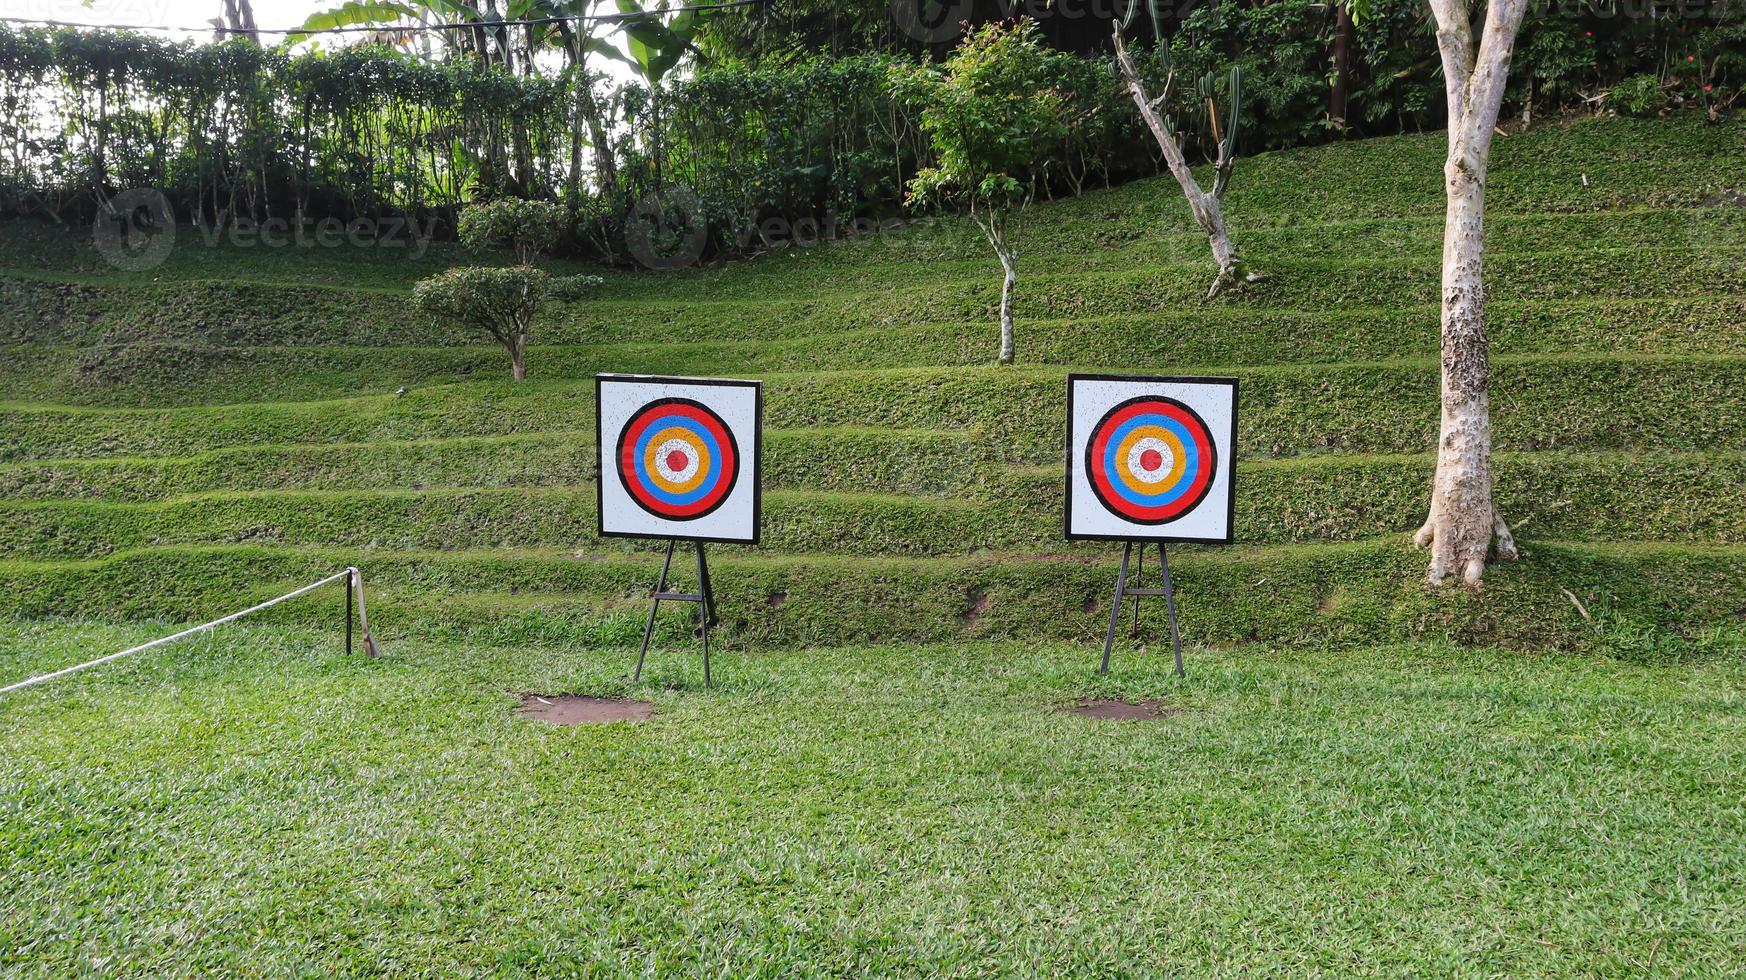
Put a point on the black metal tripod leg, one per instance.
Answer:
(705, 611)
(703, 585)
(1170, 605)
(654, 607)
(1139, 582)
(1115, 608)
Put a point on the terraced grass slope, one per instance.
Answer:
(182, 440)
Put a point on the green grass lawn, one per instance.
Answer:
(258, 803)
(881, 784)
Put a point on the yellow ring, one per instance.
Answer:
(1178, 459)
(692, 442)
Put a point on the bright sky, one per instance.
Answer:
(195, 13)
(172, 13)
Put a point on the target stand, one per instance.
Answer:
(1123, 590)
(704, 598)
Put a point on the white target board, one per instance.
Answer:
(1150, 458)
(679, 457)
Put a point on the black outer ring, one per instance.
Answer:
(1212, 449)
(733, 445)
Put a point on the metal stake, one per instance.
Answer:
(703, 582)
(1139, 579)
(351, 583)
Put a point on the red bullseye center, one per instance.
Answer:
(1151, 459)
(677, 460)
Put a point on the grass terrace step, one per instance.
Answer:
(549, 517)
(952, 252)
(1586, 403)
(193, 372)
(914, 461)
(1692, 497)
(1344, 594)
(1671, 497)
(234, 314)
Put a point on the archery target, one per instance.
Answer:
(679, 457)
(1150, 458)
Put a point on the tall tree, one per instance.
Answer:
(1464, 522)
(993, 111)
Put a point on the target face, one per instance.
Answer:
(1150, 458)
(679, 457)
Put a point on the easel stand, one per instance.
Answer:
(704, 598)
(1123, 590)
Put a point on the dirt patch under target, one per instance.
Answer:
(580, 709)
(1118, 710)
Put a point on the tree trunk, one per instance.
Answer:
(1210, 215)
(1463, 520)
(1337, 94)
(1208, 212)
(518, 358)
(1009, 264)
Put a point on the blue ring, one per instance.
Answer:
(1190, 467)
(709, 482)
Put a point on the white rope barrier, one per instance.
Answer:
(357, 583)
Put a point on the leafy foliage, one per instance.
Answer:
(498, 301)
(527, 228)
(993, 113)
(234, 130)
(1639, 95)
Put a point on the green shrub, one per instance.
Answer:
(527, 228)
(1638, 95)
(499, 302)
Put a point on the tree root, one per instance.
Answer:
(1230, 278)
(1502, 547)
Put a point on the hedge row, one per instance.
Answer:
(1573, 403)
(1350, 594)
(1605, 497)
